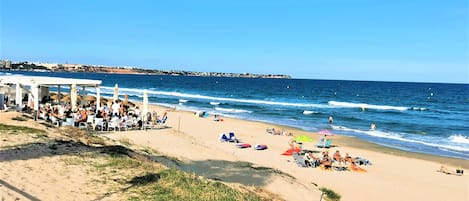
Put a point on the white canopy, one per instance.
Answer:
(47, 81)
(36, 82)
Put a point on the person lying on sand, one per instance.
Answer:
(354, 167)
(444, 169)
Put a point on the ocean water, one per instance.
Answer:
(428, 118)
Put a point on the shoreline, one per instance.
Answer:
(193, 144)
(393, 175)
(348, 141)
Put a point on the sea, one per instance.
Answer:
(431, 118)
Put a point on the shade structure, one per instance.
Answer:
(73, 96)
(55, 96)
(90, 98)
(145, 103)
(303, 138)
(116, 92)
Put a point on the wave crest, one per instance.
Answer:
(366, 106)
(459, 139)
(399, 137)
(231, 110)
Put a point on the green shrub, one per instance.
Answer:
(330, 194)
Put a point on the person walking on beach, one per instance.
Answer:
(331, 119)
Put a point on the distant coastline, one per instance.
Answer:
(48, 67)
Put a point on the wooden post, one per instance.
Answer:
(179, 123)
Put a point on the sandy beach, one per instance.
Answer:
(393, 175)
(193, 145)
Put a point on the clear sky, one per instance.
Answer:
(398, 40)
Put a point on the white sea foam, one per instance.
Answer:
(400, 137)
(183, 101)
(138, 92)
(214, 103)
(419, 108)
(308, 112)
(459, 139)
(366, 106)
(231, 110)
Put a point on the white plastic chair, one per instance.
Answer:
(98, 123)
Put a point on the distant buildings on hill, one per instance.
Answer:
(7, 65)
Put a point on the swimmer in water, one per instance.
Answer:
(373, 126)
(331, 119)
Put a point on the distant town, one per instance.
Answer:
(7, 65)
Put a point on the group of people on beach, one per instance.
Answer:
(326, 162)
(119, 113)
(274, 131)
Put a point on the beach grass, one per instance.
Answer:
(330, 194)
(137, 178)
(172, 184)
(9, 129)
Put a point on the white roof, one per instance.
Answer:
(44, 81)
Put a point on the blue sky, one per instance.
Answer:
(399, 40)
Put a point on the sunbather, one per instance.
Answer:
(311, 159)
(445, 170)
(348, 158)
(338, 157)
(354, 167)
(326, 161)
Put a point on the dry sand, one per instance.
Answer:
(394, 175)
(194, 145)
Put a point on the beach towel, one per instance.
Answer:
(362, 161)
(290, 152)
(242, 146)
(260, 147)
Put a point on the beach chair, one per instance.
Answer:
(98, 123)
(129, 124)
(146, 125)
(69, 122)
(89, 121)
(232, 138)
(83, 125)
(114, 125)
(321, 143)
(162, 121)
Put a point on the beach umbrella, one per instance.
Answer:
(325, 133)
(116, 93)
(90, 98)
(55, 96)
(303, 138)
(126, 99)
(145, 102)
